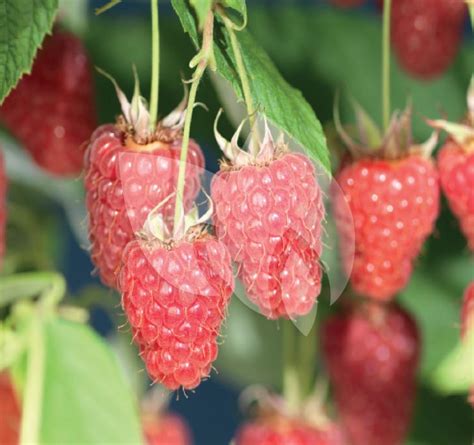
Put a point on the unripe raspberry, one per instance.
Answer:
(3, 207)
(175, 296)
(268, 211)
(125, 181)
(286, 431)
(394, 205)
(10, 414)
(52, 110)
(168, 429)
(456, 170)
(371, 352)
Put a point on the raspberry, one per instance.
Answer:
(175, 296)
(394, 205)
(10, 414)
(52, 110)
(285, 431)
(456, 171)
(268, 212)
(125, 181)
(426, 34)
(3, 209)
(168, 429)
(371, 353)
(347, 3)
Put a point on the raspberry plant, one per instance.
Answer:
(177, 249)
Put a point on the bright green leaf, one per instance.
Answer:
(23, 25)
(272, 95)
(86, 397)
(455, 374)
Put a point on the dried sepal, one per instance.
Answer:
(258, 152)
(459, 132)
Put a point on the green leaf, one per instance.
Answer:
(283, 105)
(440, 420)
(23, 25)
(251, 350)
(455, 374)
(28, 285)
(437, 315)
(237, 5)
(202, 8)
(86, 397)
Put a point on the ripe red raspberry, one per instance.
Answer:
(347, 3)
(52, 110)
(394, 205)
(426, 34)
(284, 431)
(10, 412)
(166, 429)
(125, 180)
(268, 211)
(175, 296)
(456, 171)
(371, 353)
(3, 207)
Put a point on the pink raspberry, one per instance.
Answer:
(268, 211)
(175, 296)
(125, 181)
(52, 110)
(168, 429)
(394, 205)
(372, 352)
(285, 431)
(3, 207)
(456, 170)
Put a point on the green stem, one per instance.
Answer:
(22, 286)
(244, 80)
(107, 6)
(307, 349)
(471, 13)
(33, 391)
(387, 7)
(203, 58)
(155, 61)
(291, 383)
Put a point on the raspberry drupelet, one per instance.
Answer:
(269, 213)
(129, 171)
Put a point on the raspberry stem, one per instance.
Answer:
(307, 350)
(387, 7)
(33, 391)
(155, 67)
(202, 60)
(244, 80)
(291, 383)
